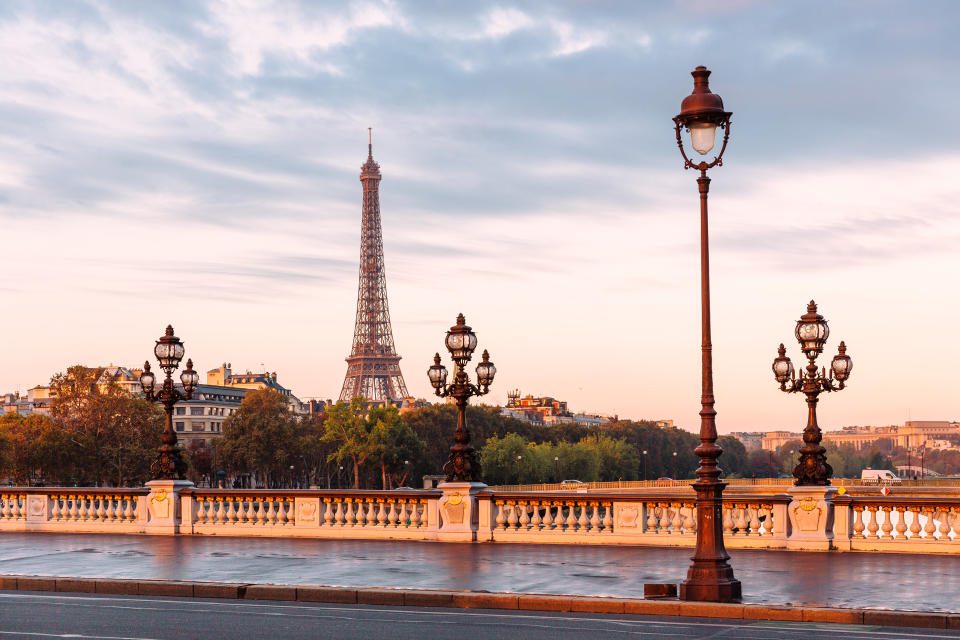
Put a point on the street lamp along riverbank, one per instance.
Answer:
(169, 351)
(710, 577)
(812, 333)
(462, 466)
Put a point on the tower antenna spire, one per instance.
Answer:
(370, 142)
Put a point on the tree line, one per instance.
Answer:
(98, 434)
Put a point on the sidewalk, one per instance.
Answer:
(919, 582)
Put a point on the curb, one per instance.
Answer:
(480, 600)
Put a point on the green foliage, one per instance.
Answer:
(260, 438)
(97, 435)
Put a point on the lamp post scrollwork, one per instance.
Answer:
(812, 333)
(169, 464)
(462, 466)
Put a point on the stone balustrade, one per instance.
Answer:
(804, 518)
(888, 523)
(663, 519)
(310, 513)
(79, 509)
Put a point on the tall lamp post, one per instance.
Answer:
(644, 465)
(519, 458)
(556, 468)
(675, 466)
(710, 577)
(812, 332)
(462, 466)
(169, 464)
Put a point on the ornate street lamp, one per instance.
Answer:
(812, 332)
(710, 577)
(169, 464)
(462, 466)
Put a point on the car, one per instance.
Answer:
(879, 476)
(568, 482)
(662, 478)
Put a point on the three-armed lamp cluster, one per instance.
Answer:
(462, 466)
(812, 333)
(169, 464)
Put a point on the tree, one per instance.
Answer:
(113, 435)
(260, 438)
(391, 444)
(734, 458)
(346, 428)
(200, 459)
(33, 449)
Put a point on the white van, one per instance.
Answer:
(879, 476)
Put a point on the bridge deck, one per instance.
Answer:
(902, 581)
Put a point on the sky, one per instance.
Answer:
(197, 164)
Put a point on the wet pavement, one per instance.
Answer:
(897, 581)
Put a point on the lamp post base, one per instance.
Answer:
(710, 577)
(711, 590)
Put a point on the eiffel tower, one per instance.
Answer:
(373, 367)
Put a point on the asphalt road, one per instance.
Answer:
(41, 615)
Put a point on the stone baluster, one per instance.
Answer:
(501, 518)
(82, 510)
(930, 528)
(5, 511)
(251, 511)
(914, 523)
(944, 524)
(608, 518)
(418, 519)
(523, 522)
(217, 513)
(547, 517)
(74, 511)
(901, 526)
(583, 520)
(535, 519)
(100, 511)
(231, 510)
(571, 518)
(339, 518)
(350, 517)
(887, 526)
(392, 520)
(241, 509)
(381, 514)
(755, 520)
(687, 519)
(955, 516)
(109, 513)
(676, 522)
(286, 511)
(651, 517)
(727, 521)
(873, 525)
(767, 529)
(512, 519)
(200, 503)
(595, 518)
(858, 521)
(54, 508)
(741, 521)
(664, 517)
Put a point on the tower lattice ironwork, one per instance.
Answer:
(373, 367)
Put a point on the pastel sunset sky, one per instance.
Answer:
(197, 164)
